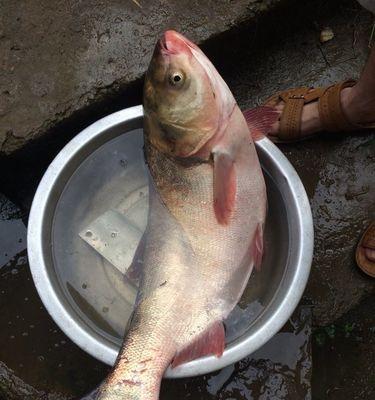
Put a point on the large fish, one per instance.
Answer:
(206, 218)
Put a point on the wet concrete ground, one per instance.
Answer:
(337, 172)
(31, 343)
(343, 355)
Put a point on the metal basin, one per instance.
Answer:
(99, 173)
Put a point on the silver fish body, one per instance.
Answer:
(204, 234)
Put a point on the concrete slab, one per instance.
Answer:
(58, 57)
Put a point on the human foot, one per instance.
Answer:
(365, 253)
(310, 120)
(340, 107)
(370, 254)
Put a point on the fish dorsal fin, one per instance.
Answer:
(211, 341)
(260, 120)
(225, 186)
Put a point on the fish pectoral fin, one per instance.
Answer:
(260, 120)
(225, 186)
(257, 247)
(212, 341)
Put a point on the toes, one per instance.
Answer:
(275, 127)
(370, 254)
(274, 130)
(279, 107)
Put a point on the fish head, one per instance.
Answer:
(186, 102)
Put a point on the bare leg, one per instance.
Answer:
(359, 102)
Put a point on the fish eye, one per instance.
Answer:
(176, 79)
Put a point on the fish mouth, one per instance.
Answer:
(173, 42)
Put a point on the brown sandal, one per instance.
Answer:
(367, 241)
(330, 111)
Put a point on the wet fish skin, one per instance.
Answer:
(207, 210)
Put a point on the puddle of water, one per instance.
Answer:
(13, 238)
(12, 231)
(95, 288)
(30, 343)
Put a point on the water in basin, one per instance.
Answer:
(112, 181)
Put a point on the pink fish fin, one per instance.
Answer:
(257, 247)
(260, 120)
(225, 186)
(212, 341)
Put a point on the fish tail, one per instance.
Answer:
(115, 393)
(141, 363)
(137, 375)
(134, 381)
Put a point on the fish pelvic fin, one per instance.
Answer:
(225, 186)
(211, 341)
(260, 120)
(257, 248)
